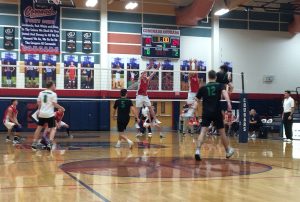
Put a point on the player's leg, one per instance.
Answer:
(62, 124)
(147, 103)
(17, 138)
(9, 126)
(122, 124)
(221, 130)
(37, 133)
(200, 141)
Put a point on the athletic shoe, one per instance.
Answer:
(253, 136)
(150, 135)
(34, 146)
(197, 157)
(137, 126)
(130, 144)
(8, 139)
(16, 141)
(288, 140)
(71, 136)
(229, 152)
(50, 146)
(157, 121)
(138, 135)
(161, 135)
(117, 145)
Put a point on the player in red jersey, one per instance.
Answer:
(72, 75)
(10, 120)
(142, 98)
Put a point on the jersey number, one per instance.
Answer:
(211, 90)
(45, 99)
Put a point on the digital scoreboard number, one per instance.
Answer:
(160, 43)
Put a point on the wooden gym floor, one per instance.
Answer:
(88, 168)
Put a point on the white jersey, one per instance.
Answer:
(47, 98)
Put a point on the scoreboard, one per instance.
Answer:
(160, 43)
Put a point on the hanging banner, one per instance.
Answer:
(9, 38)
(71, 41)
(40, 28)
(87, 42)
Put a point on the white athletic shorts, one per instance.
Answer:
(9, 125)
(191, 98)
(118, 76)
(142, 100)
(61, 124)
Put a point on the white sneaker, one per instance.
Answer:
(288, 140)
(229, 152)
(117, 145)
(253, 136)
(138, 135)
(157, 121)
(137, 126)
(130, 144)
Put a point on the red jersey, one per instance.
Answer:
(59, 116)
(194, 83)
(14, 113)
(72, 71)
(143, 87)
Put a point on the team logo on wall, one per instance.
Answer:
(133, 65)
(117, 73)
(9, 68)
(167, 77)
(9, 38)
(87, 42)
(32, 71)
(87, 72)
(71, 41)
(71, 73)
(49, 69)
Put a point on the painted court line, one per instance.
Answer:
(88, 187)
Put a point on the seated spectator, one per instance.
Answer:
(254, 124)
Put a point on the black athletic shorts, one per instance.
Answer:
(217, 118)
(122, 123)
(50, 121)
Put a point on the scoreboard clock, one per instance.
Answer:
(160, 43)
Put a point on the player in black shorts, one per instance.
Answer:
(212, 112)
(123, 106)
(224, 77)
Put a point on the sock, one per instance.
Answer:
(197, 151)
(68, 131)
(129, 141)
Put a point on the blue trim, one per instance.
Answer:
(268, 26)
(9, 8)
(233, 24)
(236, 15)
(264, 16)
(80, 25)
(123, 27)
(126, 17)
(100, 196)
(9, 20)
(80, 14)
(160, 19)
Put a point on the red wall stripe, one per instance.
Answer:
(124, 38)
(124, 49)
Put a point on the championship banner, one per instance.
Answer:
(9, 38)
(40, 26)
(71, 41)
(87, 42)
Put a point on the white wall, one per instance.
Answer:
(258, 53)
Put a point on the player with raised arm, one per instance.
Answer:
(212, 112)
(142, 98)
(47, 101)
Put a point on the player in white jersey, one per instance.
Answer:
(47, 101)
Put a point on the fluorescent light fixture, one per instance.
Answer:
(131, 5)
(222, 11)
(91, 3)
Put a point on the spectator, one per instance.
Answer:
(228, 121)
(255, 123)
(287, 115)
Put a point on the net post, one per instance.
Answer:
(244, 114)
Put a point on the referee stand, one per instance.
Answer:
(243, 114)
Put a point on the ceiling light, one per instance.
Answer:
(222, 11)
(91, 3)
(131, 5)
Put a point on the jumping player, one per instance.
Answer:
(142, 98)
(212, 112)
(224, 77)
(123, 107)
(47, 101)
(10, 120)
(72, 75)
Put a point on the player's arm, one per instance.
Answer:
(115, 108)
(226, 97)
(10, 115)
(292, 109)
(153, 73)
(55, 104)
